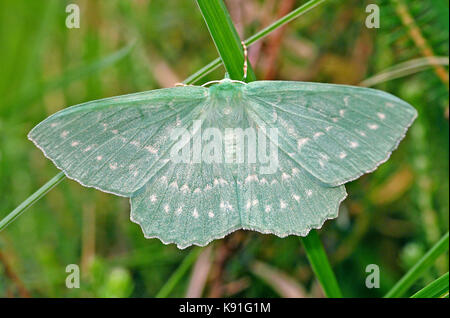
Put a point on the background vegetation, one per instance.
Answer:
(391, 217)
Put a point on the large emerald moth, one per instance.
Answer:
(327, 135)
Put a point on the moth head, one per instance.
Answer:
(227, 89)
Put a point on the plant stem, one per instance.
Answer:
(179, 273)
(419, 268)
(31, 200)
(435, 289)
(211, 66)
(320, 264)
(225, 38)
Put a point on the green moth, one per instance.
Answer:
(323, 135)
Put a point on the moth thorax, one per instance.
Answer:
(226, 91)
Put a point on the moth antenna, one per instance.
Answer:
(245, 58)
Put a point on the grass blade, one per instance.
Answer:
(320, 264)
(419, 268)
(404, 69)
(179, 273)
(436, 289)
(225, 38)
(31, 200)
(213, 65)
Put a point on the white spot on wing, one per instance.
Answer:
(318, 134)
(151, 149)
(251, 177)
(301, 142)
(361, 133)
(184, 188)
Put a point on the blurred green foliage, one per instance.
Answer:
(391, 217)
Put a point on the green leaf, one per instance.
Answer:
(401, 287)
(178, 274)
(437, 288)
(213, 65)
(320, 265)
(225, 38)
